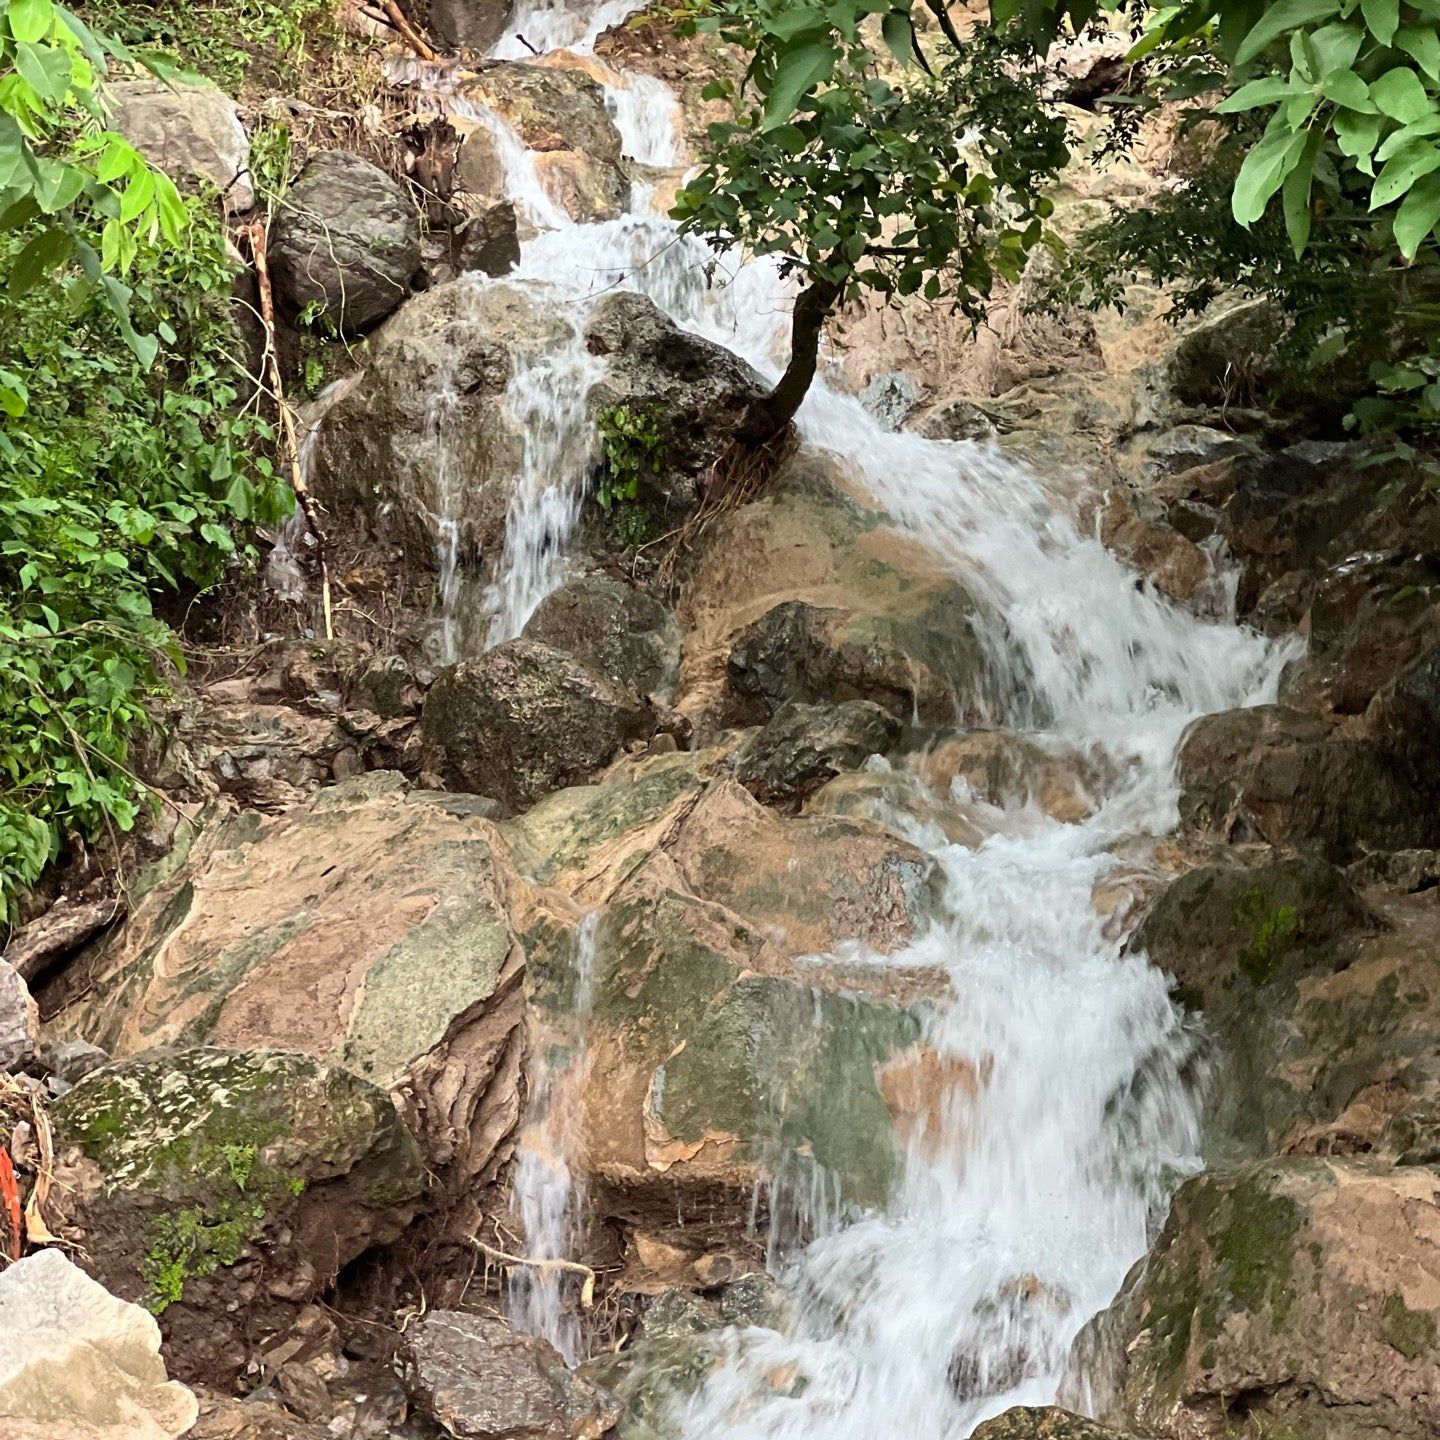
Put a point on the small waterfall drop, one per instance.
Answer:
(547, 1195)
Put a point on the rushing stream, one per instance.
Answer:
(1018, 1222)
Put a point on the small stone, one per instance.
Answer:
(19, 1019)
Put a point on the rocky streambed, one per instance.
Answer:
(947, 936)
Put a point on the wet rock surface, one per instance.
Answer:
(346, 242)
(803, 746)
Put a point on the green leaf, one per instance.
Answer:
(1398, 139)
(1265, 91)
(1402, 170)
(1262, 174)
(898, 32)
(30, 20)
(1424, 46)
(1336, 47)
(799, 71)
(1400, 94)
(46, 69)
(44, 252)
(1346, 88)
(1357, 135)
(1295, 196)
(1381, 17)
(1277, 19)
(1418, 215)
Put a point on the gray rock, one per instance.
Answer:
(890, 398)
(524, 720)
(19, 1019)
(489, 242)
(1048, 1422)
(469, 24)
(696, 390)
(188, 131)
(347, 240)
(479, 1380)
(72, 1060)
(614, 629)
(76, 1363)
(803, 746)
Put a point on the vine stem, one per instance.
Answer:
(303, 497)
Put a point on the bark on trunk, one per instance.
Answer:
(769, 415)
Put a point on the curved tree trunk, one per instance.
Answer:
(769, 415)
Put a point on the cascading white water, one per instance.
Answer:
(440, 407)
(547, 1195)
(1017, 1218)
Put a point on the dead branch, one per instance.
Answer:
(303, 497)
(408, 32)
(570, 1267)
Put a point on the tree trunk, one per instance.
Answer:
(770, 414)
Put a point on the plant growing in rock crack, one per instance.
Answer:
(630, 447)
(921, 176)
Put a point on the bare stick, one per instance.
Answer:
(571, 1267)
(303, 497)
(407, 31)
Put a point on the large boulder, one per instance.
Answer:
(470, 24)
(559, 114)
(189, 131)
(1405, 717)
(346, 242)
(1282, 776)
(480, 1380)
(811, 594)
(76, 1363)
(422, 431)
(367, 928)
(1296, 1297)
(618, 631)
(524, 720)
(695, 390)
(803, 746)
(225, 1188)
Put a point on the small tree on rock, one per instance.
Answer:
(867, 171)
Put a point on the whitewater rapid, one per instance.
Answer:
(1004, 1236)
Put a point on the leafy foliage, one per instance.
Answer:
(631, 446)
(226, 40)
(902, 182)
(62, 174)
(119, 481)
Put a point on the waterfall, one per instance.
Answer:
(547, 1196)
(1076, 1109)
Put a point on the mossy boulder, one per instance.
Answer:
(225, 1188)
(368, 928)
(1295, 1298)
(1225, 930)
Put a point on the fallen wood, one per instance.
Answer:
(408, 32)
(303, 498)
(59, 933)
(569, 1267)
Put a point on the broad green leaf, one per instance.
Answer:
(1399, 93)
(1336, 47)
(898, 32)
(1295, 196)
(1402, 170)
(44, 252)
(800, 69)
(1265, 91)
(1381, 17)
(1397, 140)
(30, 20)
(1346, 88)
(46, 69)
(1418, 215)
(1357, 135)
(1278, 19)
(1262, 174)
(1424, 46)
